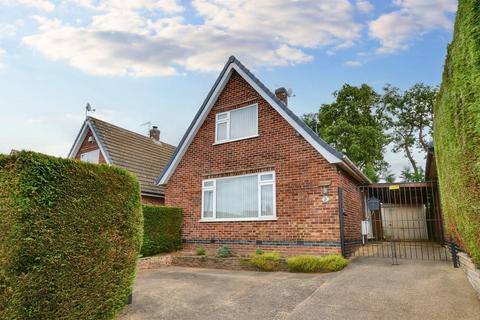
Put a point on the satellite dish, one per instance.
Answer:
(290, 93)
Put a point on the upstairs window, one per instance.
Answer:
(246, 197)
(91, 156)
(236, 124)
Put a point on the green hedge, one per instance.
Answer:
(162, 229)
(457, 130)
(307, 263)
(70, 235)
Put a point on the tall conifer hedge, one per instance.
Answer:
(457, 130)
(70, 236)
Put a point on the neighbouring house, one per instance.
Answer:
(249, 173)
(102, 142)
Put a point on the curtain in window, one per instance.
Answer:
(243, 122)
(237, 197)
(222, 131)
(208, 204)
(266, 194)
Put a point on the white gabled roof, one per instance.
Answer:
(326, 150)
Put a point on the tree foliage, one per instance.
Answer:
(408, 175)
(410, 119)
(354, 125)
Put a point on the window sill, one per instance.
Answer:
(239, 219)
(239, 139)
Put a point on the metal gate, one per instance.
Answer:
(402, 221)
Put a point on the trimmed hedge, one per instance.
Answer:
(457, 130)
(70, 235)
(266, 261)
(162, 229)
(306, 263)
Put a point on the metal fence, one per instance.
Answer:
(402, 221)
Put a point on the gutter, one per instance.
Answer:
(350, 167)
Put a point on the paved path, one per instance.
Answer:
(369, 288)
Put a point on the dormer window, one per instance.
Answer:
(237, 124)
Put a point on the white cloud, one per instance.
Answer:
(364, 6)
(170, 6)
(43, 5)
(7, 30)
(353, 63)
(3, 52)
(411, 20)
(150, 38)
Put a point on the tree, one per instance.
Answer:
(411, 176)
(389, 177)
(354, 124)
(410, 117)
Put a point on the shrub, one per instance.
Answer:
(267, 261)
(316, 264)
(162, 229)
(200, 251)
(70, 235)
(224, 252)
(259, 251)
(457, 131)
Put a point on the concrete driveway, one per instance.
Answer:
(368, 289)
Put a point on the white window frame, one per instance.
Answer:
(260, 183)
(96, 151)
(227, 121)
(214, 202)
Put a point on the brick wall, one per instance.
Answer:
(89, 146)
(157, 201)
(299, 168)
(354, 214)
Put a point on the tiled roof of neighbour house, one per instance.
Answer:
(329, 152)
(137, 153)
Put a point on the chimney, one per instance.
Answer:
(282, 94)
(154, 133)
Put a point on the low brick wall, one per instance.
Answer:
(211, 262)
(471, 271)
(287, 250)
(154, 262)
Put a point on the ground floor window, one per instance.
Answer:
(245, 197)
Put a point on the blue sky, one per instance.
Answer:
(150, 60)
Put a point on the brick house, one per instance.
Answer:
(248, 173)
(101, 142)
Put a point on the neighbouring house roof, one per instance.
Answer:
(233, 64)
(139, 154)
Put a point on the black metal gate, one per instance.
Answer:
(402, 221)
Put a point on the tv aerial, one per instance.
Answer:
(88, 108)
